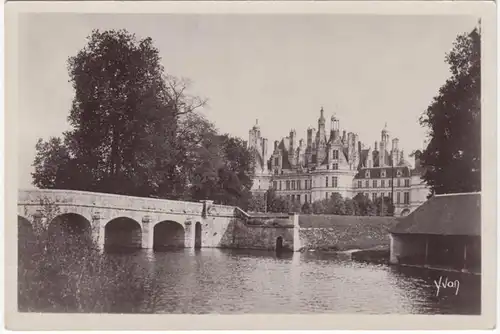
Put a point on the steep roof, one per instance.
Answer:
(450, 214)
(376, 172)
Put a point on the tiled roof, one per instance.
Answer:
(376, 172)
(451, 214)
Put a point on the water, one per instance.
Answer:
(242, 281)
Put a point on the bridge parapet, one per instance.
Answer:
(103, 200)
(221, 210)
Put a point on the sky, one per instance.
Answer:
(368, 70)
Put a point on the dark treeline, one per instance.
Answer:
(360, 205)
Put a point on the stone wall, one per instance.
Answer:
(330, 232)
(264, 236)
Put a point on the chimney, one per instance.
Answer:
(343, 136)
(376, 146)
(276, 143)
(395, 143)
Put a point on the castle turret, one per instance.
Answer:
(384, 143)
(335, 128)
(292, 147)
(321, 139)
(395, 151)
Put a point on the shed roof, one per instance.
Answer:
(448, 214)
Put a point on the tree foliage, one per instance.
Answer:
(136, 131)
(452, 159)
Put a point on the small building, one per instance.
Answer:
(443, 233)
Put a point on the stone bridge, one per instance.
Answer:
(126, 221)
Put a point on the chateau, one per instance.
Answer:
(336, 162)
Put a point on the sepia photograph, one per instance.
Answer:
(249, 163)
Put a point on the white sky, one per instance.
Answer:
(278, 68)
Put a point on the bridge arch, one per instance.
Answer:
(168, 234)
(69, 229)
(122, 232)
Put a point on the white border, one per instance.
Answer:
(485, 10)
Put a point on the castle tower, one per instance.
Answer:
(254, 136)
(292, 148)
(310, 146)
(335, 128)
(383, 146)
(395, 152)
(321, 139)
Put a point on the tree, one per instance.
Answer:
(385, 209)
(276, 203)
(452, 159)
(336, 205)
(351, 208)
(306, 208)
(52, 162)
(365, 205)
(320, 206)
(126, 119)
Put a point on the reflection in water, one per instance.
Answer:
(249, 281)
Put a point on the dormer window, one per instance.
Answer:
(335, 155)
(398, 173)
(367, 174)
(383, 173)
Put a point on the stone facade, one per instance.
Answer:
(335, 163)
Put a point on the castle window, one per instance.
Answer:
(407, 183)
(367, 184)
(326, 195)
(326, 181)
(287, 185)
(293, 198)
(334, 182)
(299, 184)
(293, 185)
(399, 182)
(398, 198)
(374, 183)
(383, 183)
(390, 183)
(367, 174)
(275, 184)
(280, 185)
(335, 166)
(276, 161)
(335, 155)
(360, 184)
(383, 173)
(407, 198)
(398, 173)
(298, 198)
(327, 167)
(374, 197)
(276, 172)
